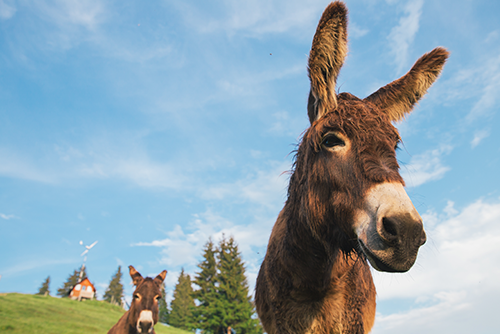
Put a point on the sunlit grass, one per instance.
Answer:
(21, 313)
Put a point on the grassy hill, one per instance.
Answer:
(47, 315)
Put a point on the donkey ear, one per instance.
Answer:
(400, 96)
(161, 277)
(135, 275)
(328, 51)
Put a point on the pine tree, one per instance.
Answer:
(114, 292)
(234, 304)
(163, 307)
(205, 314)
(71, 282)
(44, 289)
(183, 304)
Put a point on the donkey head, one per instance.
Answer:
(144, 307)
(346, 169)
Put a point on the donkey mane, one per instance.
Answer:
(346, 203)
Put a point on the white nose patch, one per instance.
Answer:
(145, 317)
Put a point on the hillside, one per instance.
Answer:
(21, 313)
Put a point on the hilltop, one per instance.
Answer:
(20, 313)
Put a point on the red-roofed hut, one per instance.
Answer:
(83, 290)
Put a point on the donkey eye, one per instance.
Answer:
(332, 140)
(136, 296)
(158, 297)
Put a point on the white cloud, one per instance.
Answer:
(7, 217)
(27, 266)
(184, 245)
(256, 18)
(67, 23)
(139, 170)
(7, 10)
(490, 91)
(478, 83)
(60, 25)
(356, 31)
(425, 167)
(402, 36)
(265, 188)
(454, 284)
(66, 13)
(478, 137)
(15, 165)
(97, 160)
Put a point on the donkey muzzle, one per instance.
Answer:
(389, 228)
(145, 322)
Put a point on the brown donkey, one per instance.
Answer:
(346, 203)
(143, 312)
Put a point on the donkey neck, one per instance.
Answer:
(313, 261)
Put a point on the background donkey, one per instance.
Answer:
(346, 202)
(143, 312)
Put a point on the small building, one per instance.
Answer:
(83, 290)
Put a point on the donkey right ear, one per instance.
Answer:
(328, 51)
(400, 96)
(135, 275)
(161, 277)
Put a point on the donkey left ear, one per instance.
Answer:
(328, 51)
(400, 96)
(135, 275)
(161, 277)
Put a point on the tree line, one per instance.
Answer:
(216, 298)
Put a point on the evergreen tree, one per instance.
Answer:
(72, 280)
(183, 304)
(234, 305)
(205, 315)
(44, 289)
(164, 313)
(114, 292)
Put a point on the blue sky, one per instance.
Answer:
(152, 126)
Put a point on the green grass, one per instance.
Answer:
(47, 315)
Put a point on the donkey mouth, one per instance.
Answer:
(376, 262)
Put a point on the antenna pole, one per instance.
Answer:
(81, 270)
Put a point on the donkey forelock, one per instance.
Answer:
(331, 187)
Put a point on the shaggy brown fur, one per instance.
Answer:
(315, 277)
(145, 298)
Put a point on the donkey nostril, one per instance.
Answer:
(389, 227)
(145, 326)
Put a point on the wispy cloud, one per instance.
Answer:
(448, 284)
(355, 31)
(255, 18)
(479, 83)
(263, 187)
(478, 137)
(29, 265)
(8, 217)
(426, 167)
(7, 9)
(84, 13)
(490, 94)
(402, 35)
(262, 193)
(67, 22)
(96, 159)
(13, 164)
(184, 244)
